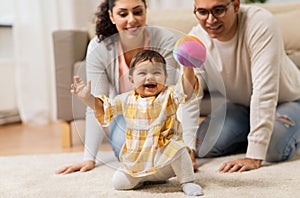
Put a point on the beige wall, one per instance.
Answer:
(166, 4)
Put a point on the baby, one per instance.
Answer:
(153, 150)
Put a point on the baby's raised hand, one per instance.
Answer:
(80, 89)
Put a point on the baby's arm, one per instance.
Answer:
(189, 81)
(83, 92)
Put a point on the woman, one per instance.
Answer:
(121, 32)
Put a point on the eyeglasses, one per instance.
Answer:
(217, 11)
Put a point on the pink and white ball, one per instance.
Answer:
(189, 51)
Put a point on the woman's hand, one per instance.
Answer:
(82, 167)
(240, 165)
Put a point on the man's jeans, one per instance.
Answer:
(234, 126)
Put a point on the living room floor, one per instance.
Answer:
(22, 139)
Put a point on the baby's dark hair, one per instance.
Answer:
(147, 55)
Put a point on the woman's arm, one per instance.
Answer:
(97, 63)
(97, 60)
(84, 93)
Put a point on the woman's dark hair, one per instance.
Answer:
(104, 27)
(147, 55)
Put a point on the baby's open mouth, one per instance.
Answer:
(151, 86)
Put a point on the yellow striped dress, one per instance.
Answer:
(153, 133)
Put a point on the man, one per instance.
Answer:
(246, 57)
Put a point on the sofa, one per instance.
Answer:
(70, 49)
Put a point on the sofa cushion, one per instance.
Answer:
(69, 47)
(178, 19)
(289, 24)
(282, 7)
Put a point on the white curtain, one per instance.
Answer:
(35, 20)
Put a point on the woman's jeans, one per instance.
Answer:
(117, 134)
(234, 128)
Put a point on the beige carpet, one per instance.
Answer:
(33, 176)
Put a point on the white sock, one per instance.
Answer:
(192, 189)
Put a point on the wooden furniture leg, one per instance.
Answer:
(66, 134)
